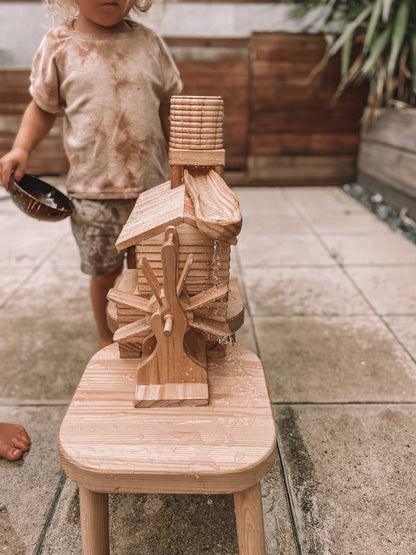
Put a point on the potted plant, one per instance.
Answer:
(376, 40)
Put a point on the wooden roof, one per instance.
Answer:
(154, 210)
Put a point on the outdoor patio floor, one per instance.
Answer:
(330, 302)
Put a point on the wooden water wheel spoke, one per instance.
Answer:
(139, 328)
(206, 297)
(130, 300)
(184, 274)
(151, 279)
(175, 315)
(210, 327)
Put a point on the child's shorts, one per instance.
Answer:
(96, 225)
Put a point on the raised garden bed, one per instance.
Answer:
(387, 158)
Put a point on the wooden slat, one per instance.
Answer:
(295, 135)
(174, 446)
(393, 127)
(47, 158)
(271, 105)
(298, 143)
(285, 168)
(389, 164)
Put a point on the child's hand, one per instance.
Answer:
(14, 161)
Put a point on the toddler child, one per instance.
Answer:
(111, 78)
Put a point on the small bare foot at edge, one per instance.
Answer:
(14, 441)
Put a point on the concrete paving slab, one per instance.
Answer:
(389, 289)
(354, 223)
(321, 342)
(52, 290)
(264, 201)
(43, 358)
(27, 247)
(150, 524)
(337, 359)
(23, 222)
(12, 278)
(351, 491)
(302, 291)
(276, 224)
(66, 253)
(278, 524)
(322, 200)
(404, 327)
(28, 486)
(394, 248)
(333, 211)
(290, 250)
(7, 208)
(145, 523)
(63, 534)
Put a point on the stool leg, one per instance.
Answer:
(249, 518)
(94, 522)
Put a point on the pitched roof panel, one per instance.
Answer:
(154, 210)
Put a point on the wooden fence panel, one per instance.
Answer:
(219, 67)
(49, 156)
(296, 136)
(279, 126)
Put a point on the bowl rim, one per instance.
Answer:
(59, 209)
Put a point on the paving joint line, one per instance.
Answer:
(51, 512)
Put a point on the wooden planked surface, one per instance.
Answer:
(153, 212)
(393, 127)
(272, 109)
(107, 445)
(295, 135)
(286, 168)
(48, 158)
(387, 157)
(389, 165)
(219, 66)
(127, 282)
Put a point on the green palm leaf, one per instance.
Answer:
(387, 4)
(346, 54)
(378, 46)
(372, 24)
(399, 32)
(413, 59)
(349, 29)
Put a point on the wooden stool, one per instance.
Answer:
(108, 446)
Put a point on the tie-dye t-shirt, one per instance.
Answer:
(109, 91)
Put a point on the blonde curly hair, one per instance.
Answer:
(65, 11)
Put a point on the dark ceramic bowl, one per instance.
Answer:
(39, 199)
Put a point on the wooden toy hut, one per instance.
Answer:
(174, 308)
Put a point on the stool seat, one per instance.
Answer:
(107, 445)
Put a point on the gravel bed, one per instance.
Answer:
(396, 219)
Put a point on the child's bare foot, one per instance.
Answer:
(14, 441)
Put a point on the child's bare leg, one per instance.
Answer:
(14, 441)
(99, 287)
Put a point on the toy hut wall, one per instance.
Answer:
(154, 211)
